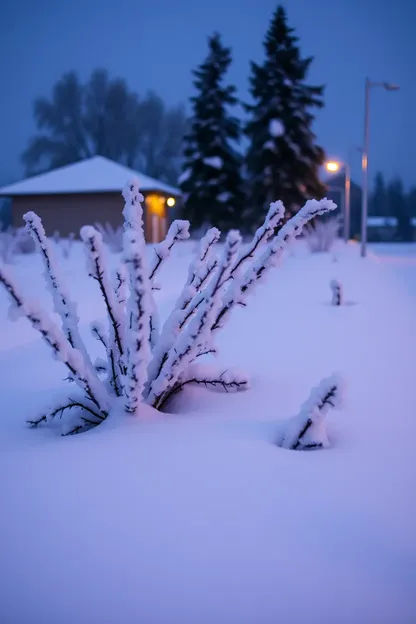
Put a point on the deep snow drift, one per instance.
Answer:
(196, 516)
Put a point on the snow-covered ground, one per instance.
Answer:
(196, 517)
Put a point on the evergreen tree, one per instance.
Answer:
(211, 178)
(398, 208)
(283, 159)
(411, 201)
(378, 201)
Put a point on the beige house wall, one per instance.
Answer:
(68, 213)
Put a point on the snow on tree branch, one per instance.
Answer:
(245, 285)
(121, 284)
(99, 272)
(133, 211)
(209, 377)
(63, 304)
(93, 418)
(178, 231)
(133, 220)
(139, 310)
(200, 269)
(55, 338)
(264, 232)
(196, 335)
(307, 429)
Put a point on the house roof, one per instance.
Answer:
(93, 175)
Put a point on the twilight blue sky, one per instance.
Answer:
(154, 44)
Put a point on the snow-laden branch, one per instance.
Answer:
(178, 231)
(133, 211)
(133, 220)
(196, 334)
(63, 305)
(98, 270)
(201, 266)
(264, 232)
(307, 430)
(92, 418)
(139, 311)
(55, 338)
(228, 380)
(241, 287)
(121, 284)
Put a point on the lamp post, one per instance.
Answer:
(333, 166)
(388, 86)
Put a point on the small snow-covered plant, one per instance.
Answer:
(322, 234)
(337, 293)
(145, 361)
(112, 237)
(56, 237)
(7, 245)
(307, 429)
(24, 242)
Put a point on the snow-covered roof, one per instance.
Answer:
(93, 175)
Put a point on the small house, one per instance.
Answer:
(89, 192)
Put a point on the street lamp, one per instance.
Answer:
(333, 166)
(388, 86)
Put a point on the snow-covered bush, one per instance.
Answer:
(322, 234)
(112, 237)
(23, 242)
(307, 429)
(337, 293)
(7, 245)
(145, 362)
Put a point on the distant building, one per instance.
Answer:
(89, 192)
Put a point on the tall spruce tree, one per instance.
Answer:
(283, 158)
(211, 179)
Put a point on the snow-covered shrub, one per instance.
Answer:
(322, 234)
(23, 242)
(337, 293)
(7, 245)
(145, 362)
(112, 237)
(307, 429)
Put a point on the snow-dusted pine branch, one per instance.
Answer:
(307, 429)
